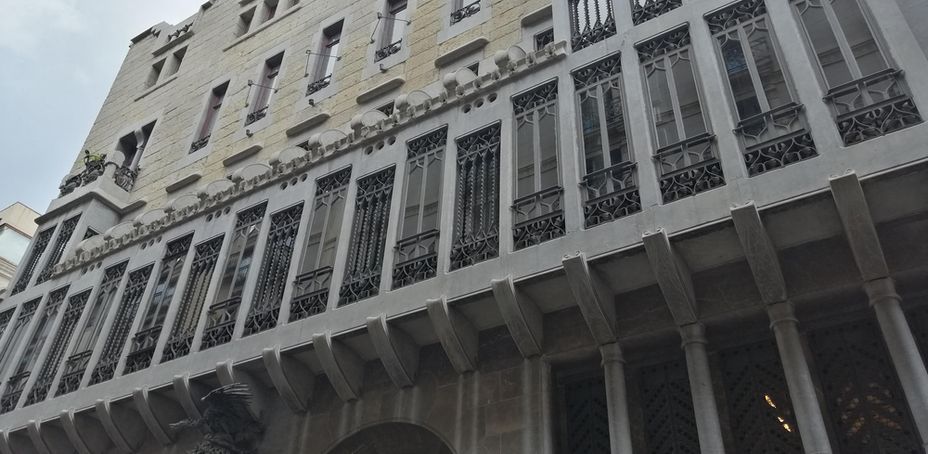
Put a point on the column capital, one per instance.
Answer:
(881, 290)
(782, 312)
(612, 353)
(693, 333)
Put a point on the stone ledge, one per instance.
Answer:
(263, 26)
(183, 182)
(381, 89)
(156, 87)
(242, 155)
(307, 124)
(460, 51)
(537, 16)
(170, 44)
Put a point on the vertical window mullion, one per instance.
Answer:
(752, 67)
(674, 98)
(536, 148)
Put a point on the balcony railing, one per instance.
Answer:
(872, 106)
(538, 217)
(143, 349)
(74, 369)
(611, 193)
(199, 143)
(178, 346)
(775, 139)
(310, 293)
(388, 50)
(688, 168)
(319, 84)
(587, 30)
(256, 115)
(122, 176)
(220, 322)
(14, 390)
(416, 258)
(645, 10)
(464, 12)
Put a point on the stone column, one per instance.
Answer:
(620, 434)
(704, 406)
(802, 392)
(902, 348)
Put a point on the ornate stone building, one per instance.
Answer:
(584, 226)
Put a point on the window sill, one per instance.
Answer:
(460, 52)
(183, 182)
(263, 26)
(386, 87)
(307, 124)
(242, 155)
(156, 87)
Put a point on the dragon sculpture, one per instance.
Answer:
(227, 425)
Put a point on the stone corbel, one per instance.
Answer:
(189, 394)
(673, 277)
(48, 439)
(522, 316)
(760, 253)
(228, 374)
(86, 434)
(154, 410)
(398, 352)
(858, 226)
(592, 297)
(124, 426)
(293, 381)
(456, 333)
(343, 367)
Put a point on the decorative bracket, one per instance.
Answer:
(521, 315)
(124, 426)
(456, 333)
(673, 277)
(341, 364)
(188, 394)
(293, 381)
(760, 253)
(398, 352)
(48, 439)
(592, 297)
(86, 434)
(858, 226)
(149, 406)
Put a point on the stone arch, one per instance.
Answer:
(392, 438)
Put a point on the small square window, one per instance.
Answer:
(244, 22)
(154, 74)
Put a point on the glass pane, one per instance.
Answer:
(330, 240)
(314, 239)
(688, 97)
(592, 138)
(525, 155)
(823, 41)
(739, 78)
(245, 261)
(615, 122)
(662, 108)
(413, 194)
(768, 68)
(859, 37)
(548, 132)
(228, 274)
(432, 195)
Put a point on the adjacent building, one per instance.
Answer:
(17, 226)
(491, 226)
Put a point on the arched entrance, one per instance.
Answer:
(393, 438)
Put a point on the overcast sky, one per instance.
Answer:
(58, 59)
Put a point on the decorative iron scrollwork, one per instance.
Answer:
(597, 72)
(124, 177)
(368, 237)
(143, 349)
(873, 106)
(775, 139)
(589, 24)
(256, 115)
(317, 85)
(538, 217)
(612, 193)
(388, 50)
(54, 356)
(227, 425)
(535, 98)
(220, 322)
(14, 390)
(476, 215)
(38, 248)
(544, 38)
(199, 143)
(688, 168)
(311, 293)
(61, 242)
(668, 42)
(645, 10)
(465, 11)
(191, 305)
(272, 278)
(122, 323)
(743, 11)
(416, 259)
(427, 143)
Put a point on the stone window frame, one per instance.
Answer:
(245, 129)
(193, 153)
(375, 66)
(313, 61)
(449, 30)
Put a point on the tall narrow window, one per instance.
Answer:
(275, 267)
(270, 9)
(771, 126)
(17, 333)
(210, 116)
(591, 21)
(645, 10)
(176, 59)
(686, 156)
(394, 29)
(146, 338)
(191, 303)
(311, 288)
(264, 89)
(665, 412)
(132, 146)
(154, 74)
(610, 182)
(462, 9)
(61, 243)
(538, 214)
(220, 321)
(581, 399)
(327, 57)
(476, 211)
(53, 358)
(29, 266)
(16, 383)
(119, 332)
(368, 237)
(87, 336)
(244, 22)
(417, 249)
(867, 94)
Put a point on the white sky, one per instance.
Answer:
(58, 59)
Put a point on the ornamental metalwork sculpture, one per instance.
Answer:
(191, 303)
(864, 400)
(759, 405)
(591, 21)
(476, 210)
(29, 266)
(272, 278)
(667, 409)
(61, 242)
(465, 11)
(873, 106)
(645, 10)
(368, 237)
(311, 293)
(72, 314)
(94, 167)
(388, 50)
(125, 177)
(122, 323)
(227, 425)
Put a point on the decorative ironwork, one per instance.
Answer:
(775, 139)
(538, 217)
(760, 410)
(668, 42)
(688, 168)
(200, 143)
(464, 12)
(124, 177)
(584, 424)
(368, 237)
(645, 10)
(256, 115)
(312, 293)
(94, 166)
(90, 233)
(122, 323)
(589, 24)
(227, 425)
(61, 242)
(544, 38)
(220, 322)
(38, 248)
(143, 349)
(272, 278)
(388, 50)
(5, 318)
(535, 98)
(191, 303)
(743, 11)
(612, 193)
(318, 84)
(334, 181)
(72, 314)
(416, 259)
(667, 409)
(476, 215)
(16, 384)
(863, 397)
(14, 390)
(872, 106)
(597, 72)
(427, 143)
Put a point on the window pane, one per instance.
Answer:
(525, 165)
(615, 122)
(662, 108)
(592, 137)
(768, 68)
(825, 44)
(688, 97)
(413, 194)
(432, 195)
(311, 255)
(859, 38)
(330, 240)
(548, 131)
(739, 78)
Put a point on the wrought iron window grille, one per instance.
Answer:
(645, 10)
(317, 85)
(416, 259)
(544, 38)
(671, 41)
(61, 242)
(368, 237)
(143, 349)
(220, 322)
(16, 384)
(122, 323)
(732, 16)
(872, 106)
(465, 11)
(72, 314)
(5, 318)
(41, 243)
(538, 217)
(199, 144)
(612, 193)
(775, 139)
(476, 216)
(589, 24)
(689, 168)
(191, 305)
(311, 292)
(256, 115)
(388, 50)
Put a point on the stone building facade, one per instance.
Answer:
(17, 226)
(583, 226)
